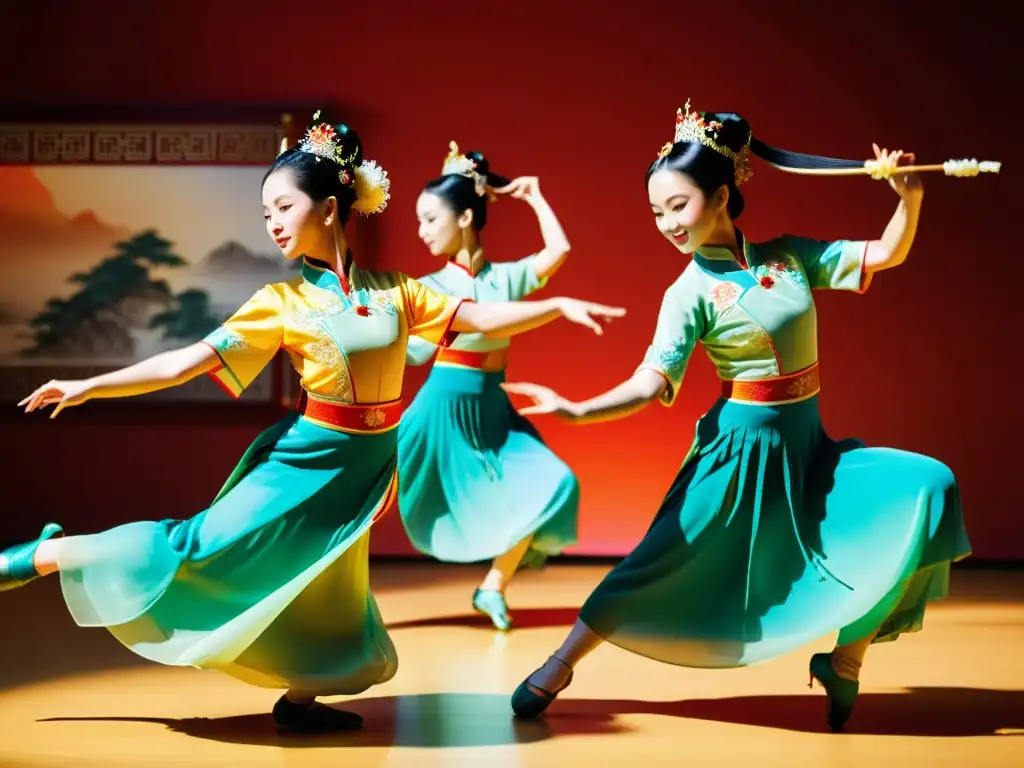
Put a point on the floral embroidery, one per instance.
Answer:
(384, 299)
(374, 417)
(365, 302)
(670, 360)
(361, 303)
(325, 353)
(226, 340)
(309, 319)
(799, 387)
(773, 269)
(724, 295)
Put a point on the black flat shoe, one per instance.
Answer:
(314, 717)
(528, 703)
(840, 692)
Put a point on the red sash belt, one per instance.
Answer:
(360, 418)
(495, 360)
(780, 389)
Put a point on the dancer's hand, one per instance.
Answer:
(64, 393)
(523, 188)
(584, 312)
(545, 401)
(886, 166)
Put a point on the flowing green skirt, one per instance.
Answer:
(270, 584)
(773, 535)
(475, 478)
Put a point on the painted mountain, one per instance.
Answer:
(81, 291)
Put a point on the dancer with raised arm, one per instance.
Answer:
(476, 481)
(772, 533)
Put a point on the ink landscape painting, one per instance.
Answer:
(104, 266)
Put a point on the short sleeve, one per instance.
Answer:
(837, 265)
(247, 341)
(520, 278)
(430, 314)
(680, 326)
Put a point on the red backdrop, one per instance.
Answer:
(583, 94)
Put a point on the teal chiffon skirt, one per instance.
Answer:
(270, 584)
(475, 478)
(773, 535)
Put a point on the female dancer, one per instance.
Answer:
(270, 583)
(475, 480)
(772, 533)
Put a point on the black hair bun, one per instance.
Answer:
(350, 144)
(734, 133)
(482, 166)
(484, 169)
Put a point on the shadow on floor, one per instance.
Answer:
(913, 712)
(522, 618)
(479, 720)
(435, 720)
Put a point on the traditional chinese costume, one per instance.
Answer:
(475, 478)
(772, 533)
(270, 583)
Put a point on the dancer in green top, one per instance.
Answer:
(772, 534)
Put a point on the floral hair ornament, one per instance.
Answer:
(457, 164)
(373, 188)
(371, 183)
(695, 128)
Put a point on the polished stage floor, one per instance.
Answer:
(951, 695)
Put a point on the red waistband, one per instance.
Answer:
(359, 417)
(779, 389)
(494, 360)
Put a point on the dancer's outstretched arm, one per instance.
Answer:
(629, 397)
(162, 371)
(508, 318)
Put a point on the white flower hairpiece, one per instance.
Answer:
(373, 188)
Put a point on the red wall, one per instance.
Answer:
(584, 99)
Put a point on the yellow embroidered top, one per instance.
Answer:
(346, 338)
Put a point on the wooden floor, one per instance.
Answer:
(951, 695)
